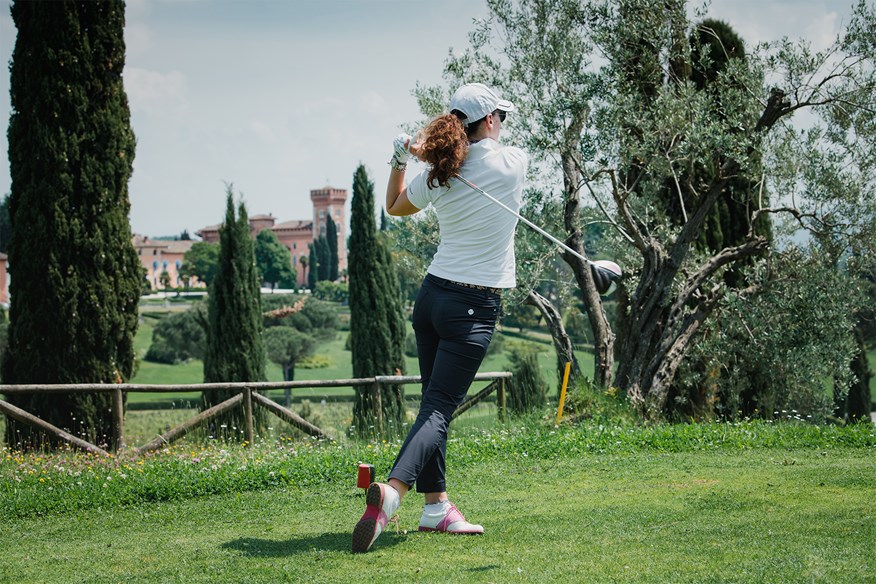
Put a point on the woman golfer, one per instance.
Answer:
(458, 303)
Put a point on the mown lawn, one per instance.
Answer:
(747, 502)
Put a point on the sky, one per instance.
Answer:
(278, 97)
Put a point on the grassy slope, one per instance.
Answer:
(758, 515)
(340, 368)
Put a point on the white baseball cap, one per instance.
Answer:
(477, 101)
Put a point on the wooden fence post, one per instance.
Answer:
(378, 402)
(501, 399)
(118, 420)
(247, 415)
(19, 414)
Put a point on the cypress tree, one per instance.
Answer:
(331, 236)
(377, 327)
(313, 262)
(76, 278)
(235, 348)
(323, 257)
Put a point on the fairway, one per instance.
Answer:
(769, 515)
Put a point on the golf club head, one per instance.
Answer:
(605, 275)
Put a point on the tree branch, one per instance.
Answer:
(728, 255)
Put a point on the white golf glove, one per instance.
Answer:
(401, 151)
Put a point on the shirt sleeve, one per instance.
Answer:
(418, 192)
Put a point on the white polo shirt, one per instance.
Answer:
(477, 236)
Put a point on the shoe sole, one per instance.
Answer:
(365, 532)
(458, 532)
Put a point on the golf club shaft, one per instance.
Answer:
(524, 219)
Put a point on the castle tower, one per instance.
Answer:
(330, 201)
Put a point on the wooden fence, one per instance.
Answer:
(246, 395)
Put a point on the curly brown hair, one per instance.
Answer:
(444, 147)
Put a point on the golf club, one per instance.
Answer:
(605, 273)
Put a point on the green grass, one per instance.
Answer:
(752, 502)
(340, 368)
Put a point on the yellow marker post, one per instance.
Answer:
(563, 392)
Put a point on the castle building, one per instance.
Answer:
(298, 234)
(159, 256)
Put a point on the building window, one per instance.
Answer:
(155, 265)
(154, 252)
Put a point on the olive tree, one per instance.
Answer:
(615, 120)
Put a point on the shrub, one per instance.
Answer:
(528, 389)
(315, 362)
(332, 291)
(179, 337)
(411, 345)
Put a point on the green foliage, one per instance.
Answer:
(377, 328)
(586, 401)
(331, 236)
(316, 317)
(315, 362)
(332, 291)
(201, 261)
(5, 225)
(776, 351)
(235, 349)
(323, 258)
(313, 265)
(669, 128)
(413, 241)
(179, 336)
(75, 277)
(285, 346)
(528, 388)
(273, 260)
(411, 345)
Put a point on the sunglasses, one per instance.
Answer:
(502, 115)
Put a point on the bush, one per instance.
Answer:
(411, 345)
(332, 291)
(497, 345)
(314, 362)
(179, 337)
(528, 388)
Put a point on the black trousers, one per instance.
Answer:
(453, 325)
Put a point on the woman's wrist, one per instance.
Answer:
(396, 164)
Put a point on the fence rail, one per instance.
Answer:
(246, 397)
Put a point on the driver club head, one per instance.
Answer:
(605, 275)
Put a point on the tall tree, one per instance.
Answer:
(609, 121)
(235, 348)
(323, 258)
(273, 260)
(377, 327)
(313, 263)
(201, 262)
(331, 236)
(285, 346)
(5, 225)
(76, 278)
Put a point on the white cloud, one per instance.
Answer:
(155, 93)
(822, 30)
(138, 39)
(373, 103)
